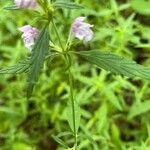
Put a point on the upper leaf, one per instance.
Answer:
(37, 58)
(116, 64)
(68, 5)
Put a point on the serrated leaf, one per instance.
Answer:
(23, 66)
(68, 5)
(16, 69)
(70, 115)
(116, 64)
(37, 59)
(14, 7)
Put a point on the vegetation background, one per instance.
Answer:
(115, 109)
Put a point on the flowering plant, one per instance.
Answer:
(39, 42)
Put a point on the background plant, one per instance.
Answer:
(107, 106)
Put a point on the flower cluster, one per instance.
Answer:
(82, 30)
(30, 34)
(26, 3)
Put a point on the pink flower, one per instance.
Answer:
(26, 3)
(29, 35)
(82, 30)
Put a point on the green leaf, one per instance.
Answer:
(141, 6)
(21, 145)
(64, 134)
(87, 134)
(58, 140)
(14, 7)
(37, 59)
(70, 115)
(116, 64)
(51, 55)
(16, 69)
(114, 6)
(139, 108)
(24, 66)
(9, 111)
(113, 99)
(68, 5)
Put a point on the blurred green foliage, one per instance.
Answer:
(115, 109)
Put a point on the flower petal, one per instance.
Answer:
(82, 30)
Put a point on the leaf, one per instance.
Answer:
(9, 111)
(58, 140)
(102, 118)
(64, 134)
(14, 7)
(24, 66)
(116, 64)
(113, 99)
(141, 6)
(16, 69)
(114, 6)
(87, 134)
(68, 5)
(51, 55)
(37, 59)
(70, 115)
(21, 145)
(139, 108)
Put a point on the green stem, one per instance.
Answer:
(72, 104)
(55, 28)
(70, 84)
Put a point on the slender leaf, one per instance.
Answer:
(58, 140)
(14, 7)
(37, 59)
(113, 99)
(51, 55)
(116, 64)
(70, 114)
(9, 111)
(68, 5)
(16, 69)
(87, 134)
(138, 109)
